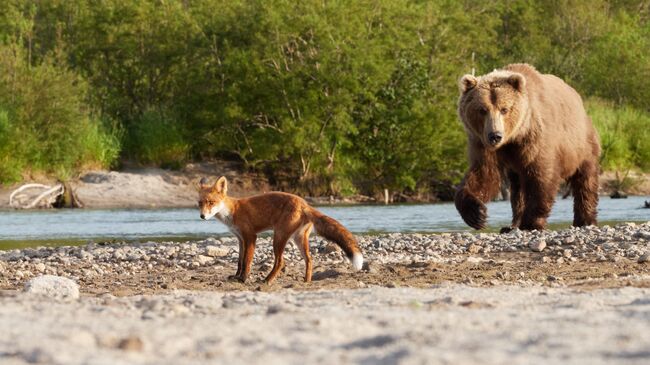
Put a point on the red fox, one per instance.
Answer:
(289, 216)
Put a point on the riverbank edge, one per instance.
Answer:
(158, 188)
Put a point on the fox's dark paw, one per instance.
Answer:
(236, 278)
(472, 210)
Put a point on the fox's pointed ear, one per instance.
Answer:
(221, 185)
(467, 83)
(203, 183)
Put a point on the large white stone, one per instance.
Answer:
(53, 287)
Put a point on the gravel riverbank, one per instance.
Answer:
(624, 248)
(576, 296)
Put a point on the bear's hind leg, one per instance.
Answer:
(584, 185)
(516, 201)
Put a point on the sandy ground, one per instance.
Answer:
(442, 324)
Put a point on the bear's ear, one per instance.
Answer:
(203, 184)
(517, 81)
(467, 83)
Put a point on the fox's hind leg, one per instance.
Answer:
(280, 239)
(301, 238)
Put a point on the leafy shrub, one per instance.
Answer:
(46, 124)
(157, 139)
(624, 134)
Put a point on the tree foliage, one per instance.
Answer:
(324, 96)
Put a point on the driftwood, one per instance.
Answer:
(68, 199)
(49, 195)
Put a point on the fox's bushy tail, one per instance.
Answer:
(334, 231)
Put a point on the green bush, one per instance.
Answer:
(45, 122)
(624, 135)
(11, 165)
(157, 139)
(101, 143)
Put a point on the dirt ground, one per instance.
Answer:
(499, 269)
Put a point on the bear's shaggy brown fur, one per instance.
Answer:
(533, 128)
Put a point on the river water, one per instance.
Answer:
(141, 223)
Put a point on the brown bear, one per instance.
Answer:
(533, 128)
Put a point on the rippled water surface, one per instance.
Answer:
(134, 224)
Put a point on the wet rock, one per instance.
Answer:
(53, 287)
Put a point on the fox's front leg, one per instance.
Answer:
(247, 257)
(240, 261)
(481, 183)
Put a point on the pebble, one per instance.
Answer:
(131, 343)
(538, 245)
(203, 260)
(644, 258)
(475, 260)
(216, 251)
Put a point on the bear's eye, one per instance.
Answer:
(504, 110)
(483, 111)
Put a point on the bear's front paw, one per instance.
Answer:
(472, 210)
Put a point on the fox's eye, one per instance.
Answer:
(504, 110)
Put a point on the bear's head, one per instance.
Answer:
(492, 107)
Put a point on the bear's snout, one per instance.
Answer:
(495, 138)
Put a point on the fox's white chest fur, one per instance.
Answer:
(224, 215)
